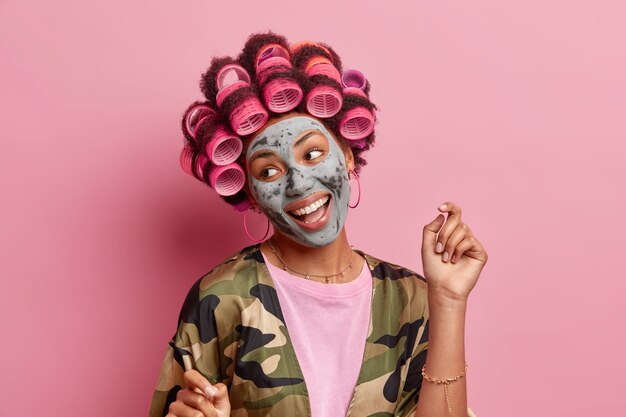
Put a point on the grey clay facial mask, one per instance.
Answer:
(300, 181)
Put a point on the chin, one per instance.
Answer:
(312, 240)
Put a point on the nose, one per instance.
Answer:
(297, 183)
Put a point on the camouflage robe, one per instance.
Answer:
(232, 325)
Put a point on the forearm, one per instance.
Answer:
(445, 359)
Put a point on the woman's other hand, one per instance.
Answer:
(200, 398)
(452, 257)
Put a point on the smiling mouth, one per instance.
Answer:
(313, 212)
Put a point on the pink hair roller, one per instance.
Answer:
(230, 74)
(186, 159)
(228, 90)
(196, 116)
(357, 123)
(280, 95)
(227, 179)
(353, 79)
(272, 50)
(354, 90)
(201, 163)
(324, 100)
(270, 66)
(223, 147)
(324, 68)
(250, 115)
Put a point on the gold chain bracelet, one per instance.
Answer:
(446, 381)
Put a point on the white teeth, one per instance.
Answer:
(311, 207)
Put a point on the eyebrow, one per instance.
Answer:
(263, 154)
(299, 142)
(304, 138)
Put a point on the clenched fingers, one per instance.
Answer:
(190, 404)
(463, 246)
(195, 380)
(460, 233)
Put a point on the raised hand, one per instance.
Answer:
(452, 257)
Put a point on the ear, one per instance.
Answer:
(246, 189)
(349, 158)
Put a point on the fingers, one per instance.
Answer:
(451, 232)
(190, 400)
(453, 221)
(460, 249)
(451, 237)
(450, 208)
(180, 409)
(194, 379)
(450, 251)
(211, 400)
(221, 400)
(430, 233)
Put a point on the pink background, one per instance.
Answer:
(513, 110)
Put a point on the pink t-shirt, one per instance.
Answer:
(328, 325)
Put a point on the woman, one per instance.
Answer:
(302, 323)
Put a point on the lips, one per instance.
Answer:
(305, 201)
(321, 214)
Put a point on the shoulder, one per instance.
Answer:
(232, 277)
(382, 269)
(240, 266)
(392, 273)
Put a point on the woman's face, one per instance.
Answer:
(298, 176)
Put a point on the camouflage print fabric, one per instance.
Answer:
(232, 325)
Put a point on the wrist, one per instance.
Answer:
(441, 297)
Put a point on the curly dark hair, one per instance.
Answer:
(247, 60)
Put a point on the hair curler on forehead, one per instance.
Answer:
(270, 77)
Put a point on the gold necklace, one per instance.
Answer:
(307, 276)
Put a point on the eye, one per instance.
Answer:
(268, 172)
(314, 153)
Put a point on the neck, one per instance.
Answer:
(325, 260)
